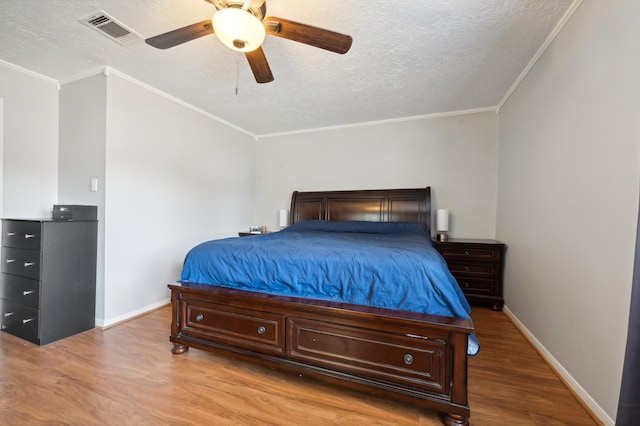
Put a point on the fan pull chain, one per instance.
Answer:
(237, 73)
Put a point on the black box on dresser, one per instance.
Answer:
(48, 278)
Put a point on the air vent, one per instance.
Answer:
(111, 28)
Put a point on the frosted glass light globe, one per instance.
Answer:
(238, 29)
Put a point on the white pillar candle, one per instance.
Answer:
(442, 220)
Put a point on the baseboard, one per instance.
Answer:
(587, 401)
(104, 324)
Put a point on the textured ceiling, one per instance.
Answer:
(408, 58)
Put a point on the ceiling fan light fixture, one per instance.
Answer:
(238, 29)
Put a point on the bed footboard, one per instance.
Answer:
(405, 356)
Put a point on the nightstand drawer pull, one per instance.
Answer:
(261, 329)
(27, 236)
(10, 260)
(11, 234)
(8, 314)
(26, 264)
(26, 320)
(27, 292)
(199, 317)
(408, 359)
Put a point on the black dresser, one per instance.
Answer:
(48, 279)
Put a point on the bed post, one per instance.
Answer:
(177, 321)
(459, 397)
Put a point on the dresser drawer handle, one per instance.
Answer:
(11, 234)
(27, 292)
(199, 317)
(27, 236)
(408, 359)
(26, 320)
(261, 329)
(8, 314)
(26, 264)
(10, 260)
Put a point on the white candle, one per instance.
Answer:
(442, 220)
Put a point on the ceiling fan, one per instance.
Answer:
(242, 26)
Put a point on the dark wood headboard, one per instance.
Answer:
(373, 205)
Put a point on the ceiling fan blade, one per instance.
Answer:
(181, 35)
(259, 65)
(307, 34)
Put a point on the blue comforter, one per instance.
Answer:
(382, 264)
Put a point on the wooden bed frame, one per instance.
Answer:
(405, 356)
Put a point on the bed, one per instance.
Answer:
(374, 347)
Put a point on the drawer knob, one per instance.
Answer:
(26, 264)
(261, 329)
(466, 253)
(11, 234)
(408, 359)
(26, 320)
(27, 292)
(10, 260)
(27, 236)
(8, 314)
(199, 317)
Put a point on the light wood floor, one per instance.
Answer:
(127, 375)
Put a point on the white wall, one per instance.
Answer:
(30, 167)
(568, 186)
(174, 178)
(83, 109)
(455, 155)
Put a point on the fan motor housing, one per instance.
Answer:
(258, 8)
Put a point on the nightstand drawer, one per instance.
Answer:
(475, 253)
(25, 263)
(21, 234)
(474, 269)
(23, 291)
(477, 286)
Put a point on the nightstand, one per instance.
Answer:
(477, 265)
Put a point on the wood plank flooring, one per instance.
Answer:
(127, 375)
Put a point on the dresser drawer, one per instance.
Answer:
(242, 328)
(23, 291)
(21, 234)
(472, 269)
(477, 286)
(400, 359)
(25, 263)
(19, 320)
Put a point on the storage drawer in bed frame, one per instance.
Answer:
(390, 357)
